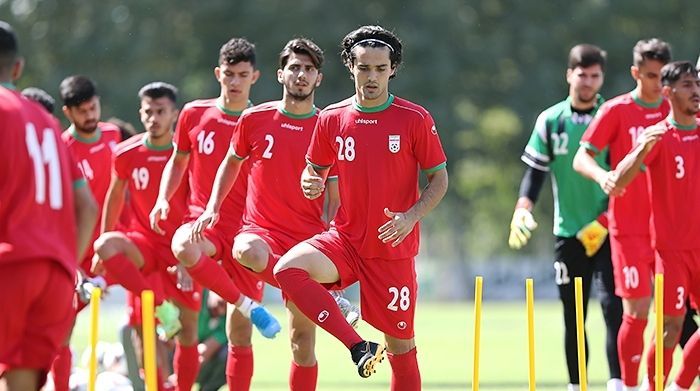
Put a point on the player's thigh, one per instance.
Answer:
(189, 252)
(239, 330)
(672, 264)
(388, 295)
(570, 261)
(633, 265)
(309, 258)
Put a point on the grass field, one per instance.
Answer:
(445, 340)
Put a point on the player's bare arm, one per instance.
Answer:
(85, 216)
(172, 177)
(631, 165)
(116, 194)
(586, 165)
(313, 181)
(225, 178)
(333, 196)
(400, 224)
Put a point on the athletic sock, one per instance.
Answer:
(630, 345)
(60, 369)
(239, 367)
(691, 362)
(211, 275)
(651, 364)
(186, 366)
(405, 375)
(302, 378)
(317, 304)
(125, 273)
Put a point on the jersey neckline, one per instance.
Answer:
(85, 140)
(296, 116)
(646, 105)
(152, 147)
(223, 109)
(375, 109)
(686, 128)
(8, 85)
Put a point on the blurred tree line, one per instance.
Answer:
(484, 68)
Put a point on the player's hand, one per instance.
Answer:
(608, 183)
(651, 135)
(312, 184)
(521, 226)
(184, 280)
(592, 236)
(207, 219)
(97, 266)
(397, 228)
(160, 212)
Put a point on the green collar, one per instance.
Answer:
(639, 101)
(220, 106)
(155, 147)
(86, 140)
(374, 109)
(297, 116)
(8, 85)
(681, 127)
(598, 101)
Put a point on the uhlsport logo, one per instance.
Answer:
(323, 316)
(402, 325)
(394, 143)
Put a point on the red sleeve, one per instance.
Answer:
(182, 132)
(120, 166)
(427, 147)
(322, 150)
(239, 139)
(333, 172)
(75, 174)
(602, 130)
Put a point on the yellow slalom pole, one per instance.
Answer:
(530, 297)
(580, 335)
(477, 331)
(659, 308)
(96, 294)
(149, 341)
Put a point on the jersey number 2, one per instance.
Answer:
(45, 154)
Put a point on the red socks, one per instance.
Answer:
(125, 273)
(630, 345)
(302, 378)
(211, 275)
(405, 375)
(239, 367)
(317, 304)
(691, 362)
(60, 369)
(186, 365)
(651, 357)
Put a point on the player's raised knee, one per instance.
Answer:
(252, 254)
(109, 243)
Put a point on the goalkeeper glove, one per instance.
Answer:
(592, 236)
(521, 227)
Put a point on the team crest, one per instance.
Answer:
(394, 143)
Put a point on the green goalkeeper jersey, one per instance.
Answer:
(551, 148)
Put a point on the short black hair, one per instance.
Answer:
(585, 55)
(237, 50)
(301, 46)
(9, 48)
(371, 36)
(651, 49)
(673, 71)
(40, 96)
(77, 89)
(159, 89)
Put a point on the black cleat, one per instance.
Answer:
(366, 355)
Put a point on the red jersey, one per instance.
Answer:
(378, 152)
(204, 129)
(616, 125)
(275, 143)
(673, 172)
(142, 164)
(37, 176)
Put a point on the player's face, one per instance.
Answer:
(371, 71)
(584, 83)
(85, 116)
(236, 80)
(685, 94)
(299, 77)
(648, 77)
(157, 115)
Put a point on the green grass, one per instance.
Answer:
(444, 338)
